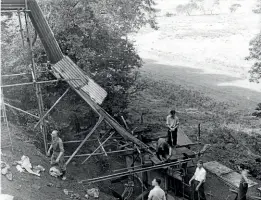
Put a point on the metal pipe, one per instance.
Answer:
(102, 147)
(127, 168)
(22, 110)
(7, 75)
(39, 82)
(99, 146)
(97, 154)
(34, 75)
(21, 27)
(57, 101)
(85, 139)
(103, 178)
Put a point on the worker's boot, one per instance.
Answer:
(63, 175)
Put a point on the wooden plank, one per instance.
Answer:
(155, 160)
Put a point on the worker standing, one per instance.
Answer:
(243, 185)
(172, 123)
(198, 180)
(58, 153)
(156, 193)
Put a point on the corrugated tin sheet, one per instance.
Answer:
(79, 80)
(226, 174)
(12, 4)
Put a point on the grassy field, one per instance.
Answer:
(234, 135)
(197, 65)
(217, 44)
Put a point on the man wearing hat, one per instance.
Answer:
(57, 157)
(198, 180)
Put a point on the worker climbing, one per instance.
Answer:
(57, 158)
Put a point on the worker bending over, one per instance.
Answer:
(198, 180)
(163, 150)
(172, 123)
(58, 153)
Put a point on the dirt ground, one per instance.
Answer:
(25, 186)
(199, 95)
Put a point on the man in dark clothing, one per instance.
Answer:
(163, 150)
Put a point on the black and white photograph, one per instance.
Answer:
(130, 100)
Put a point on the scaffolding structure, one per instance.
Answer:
(64, 69)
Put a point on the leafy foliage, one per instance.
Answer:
(234, 7)
(197, 5)
(257, 9)
(255, 55)
(94, 35)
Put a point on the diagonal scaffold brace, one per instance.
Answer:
(57, 101)
(85, 139)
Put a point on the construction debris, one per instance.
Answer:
(55, 171)
(26, 164)
(6, 197)
(66, 192)
(37, 187)
(39, 167)
(9, 176)
(94, 192)
(5, 170)
(50, 184)
(19, 168)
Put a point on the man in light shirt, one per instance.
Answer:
(198, 180)
(156, 193)
(172, 123)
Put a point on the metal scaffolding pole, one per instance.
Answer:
(99, 146)
(111, 176)
(37, 86)
(57, 101)
(85, 139)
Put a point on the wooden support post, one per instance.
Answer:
(102, 147)
(85, 139)
(58, 100)
(99, 146)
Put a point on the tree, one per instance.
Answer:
(187, 8)
(257, 9)
(255, 55)
(94, 35)
(234, 7)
